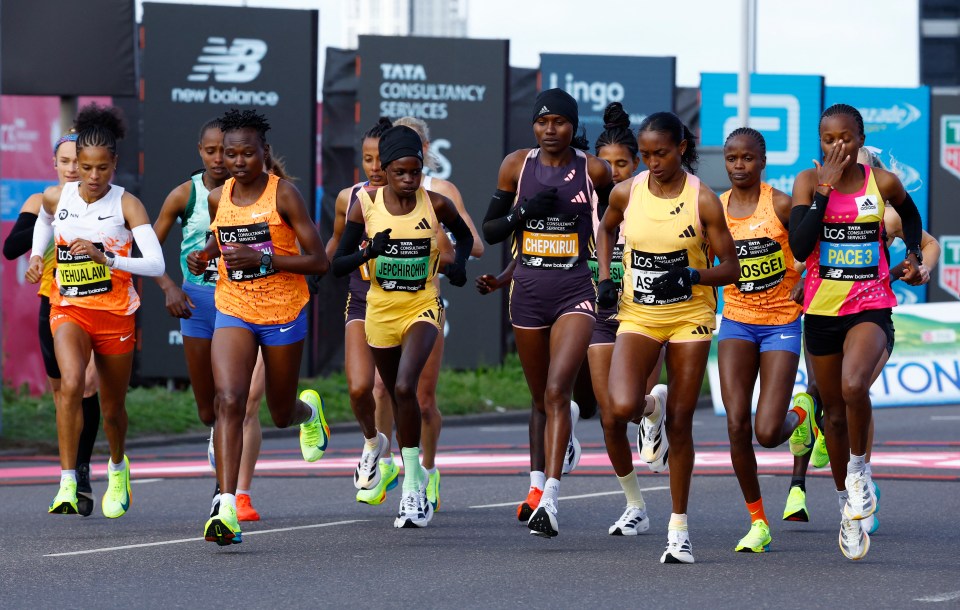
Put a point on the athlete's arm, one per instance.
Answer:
(339, 221)
(602, 177)
(928, 245)
(721, 242)
(806, 215)
(782, 204)
(197, 260)
(446, 253)
(150, 262)
(451, 192)
(293, 210)
(174, 206)
(21, 236)
(487, 283)
(349, 256)
(609, 225)
(500, 221)
(42, 233)
(447, 213)
(893, 192)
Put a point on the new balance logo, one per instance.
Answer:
(702, 330)
(423, 225)
(688, 232)
(544, 110)
(833, 274)
(238, 62)
(580, 198)
(677, 211)
(570, 176)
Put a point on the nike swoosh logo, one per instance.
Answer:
(104, 217)
(782, 336)
(259, 215)
(757, 226)
(283, 330)
(127, 337)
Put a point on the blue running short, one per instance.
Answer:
(201, 323)
(782, 337)
(269, 334)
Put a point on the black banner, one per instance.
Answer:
(199, 62)
(465, 109)
(944, 181)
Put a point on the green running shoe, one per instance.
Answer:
(802, 438)
(757, 539)
(433, 489)
(819, 456)
(65, 503)
(796, 508)
(223, 528)
(314, 434)
(116, 500)
(389, 473)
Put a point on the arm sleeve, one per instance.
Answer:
(603, 199)
(150, 262)
(912, 224)
(500, 222)
(349, 256)
(42, 233)
(21, 236)
(805, 224)
(464, 240)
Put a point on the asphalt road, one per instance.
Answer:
(315, 546)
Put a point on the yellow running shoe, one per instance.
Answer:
(796, 508)
(314, 434)
(757, 539)
(223, 528)
(819, 456)
(116, 500)
(388, 480)
(801, 440)
(433, 489)
(65, 503)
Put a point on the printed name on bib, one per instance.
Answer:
(762, 264)
(256, 236)
(550, 243)
(648, 266)
(78, 275)
(405, 265)
(850, 252)
(616, 266)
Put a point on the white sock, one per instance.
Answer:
(430, 471)
(115, 467)
(842, 499)
(856, 463)
(631, 489)
(677, 522)
(243, 492)
(551, 489)
(66, 475)
(868, 470)
(313, 412)
(228, 500)
(652, 405)
(388, 460)
(371, 444)
(538, 479)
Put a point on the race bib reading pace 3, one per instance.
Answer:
(850, 252)
(550, 243)
(404, 265)
(80, 276)
(762, 264)
(257, 236)
(648, 266)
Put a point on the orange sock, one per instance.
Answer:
(800, 414)
(756, 511)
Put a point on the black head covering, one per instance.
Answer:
(399, 142)
(556, 101)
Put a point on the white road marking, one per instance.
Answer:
(132, 481)
(945, 417)
(181, 540)
(497, 429)
(593, 495)
(942, 597)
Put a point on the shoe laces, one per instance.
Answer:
(851, 531)
(409, 504)
(116, 483)
(311, 432)
(368, 461)
(549, 504)
(631, 513)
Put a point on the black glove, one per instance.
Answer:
(540, 205)
(313, 284)
(607, 294)
(378, 245)
(456, 273)
(675, 282)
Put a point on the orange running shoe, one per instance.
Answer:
(529, 505)
(245, 510)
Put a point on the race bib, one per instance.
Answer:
(762, 264)
(212, 273)
(80, 276)
(256, 236)
(405, 265)
(550, 243)
(616, 267)
(850, 252)
(648, 266)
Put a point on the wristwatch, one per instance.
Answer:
(916, 252)
(111, 259)
(266, 261)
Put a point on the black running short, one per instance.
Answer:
(824, 335)
(46, 340)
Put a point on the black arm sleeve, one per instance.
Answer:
(603, 199)
(464, 238)
(912, 224)
(349, 256)
(805, 224)
(500, 222)
(20, 239)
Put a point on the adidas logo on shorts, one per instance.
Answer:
(701, 330)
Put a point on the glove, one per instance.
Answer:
(540, 205)
(456, 273)
(378, 245)
(607, 294)
(677, 281)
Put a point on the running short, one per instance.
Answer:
(779, 337)
(201, 323)
(356, 307)
(824, 335)
(605, 330)
(111, 333)
(387, 327)
(269, 334)
(46, 340)
(681, 332)
(537, 304)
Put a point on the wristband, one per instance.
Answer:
(694, 276)
(826, 184)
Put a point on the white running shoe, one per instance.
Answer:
(679, 549)
(633, 521)
(367, 475)
(211, 456)
(861, 499)
(651, 437)
(414, 511)
(572, 457)
(854, 540)
(543, 521)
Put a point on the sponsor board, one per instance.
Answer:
(949, 268)
(950, 143)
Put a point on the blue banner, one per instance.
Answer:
(896, 123)
(643, 85)
(14, 192)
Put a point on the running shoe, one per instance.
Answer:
(757, 539)
(65, 502)
(861, 499)
(223, 528)
(529, 505)
(679, 549)
(651, 437)
(367, 474)
(389, 473)
(819, 456)
(85, 501)
(414, 511)
(802, 438)
(215, 500)
(796, 508)
(871, 524)
(854, 540)
(433, 489)
(245, 510)
(543, 521)
(876, 493)
(211, 455)
(116, 500)
(315, 433)
(572, 457)
(633, 521)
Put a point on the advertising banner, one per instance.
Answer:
(199, 62)
(465, 110)
(944, 211)
(643, 85)
(923, 370)
(896, 123)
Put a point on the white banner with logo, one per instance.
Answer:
(924, 368)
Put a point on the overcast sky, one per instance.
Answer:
(850, 42)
